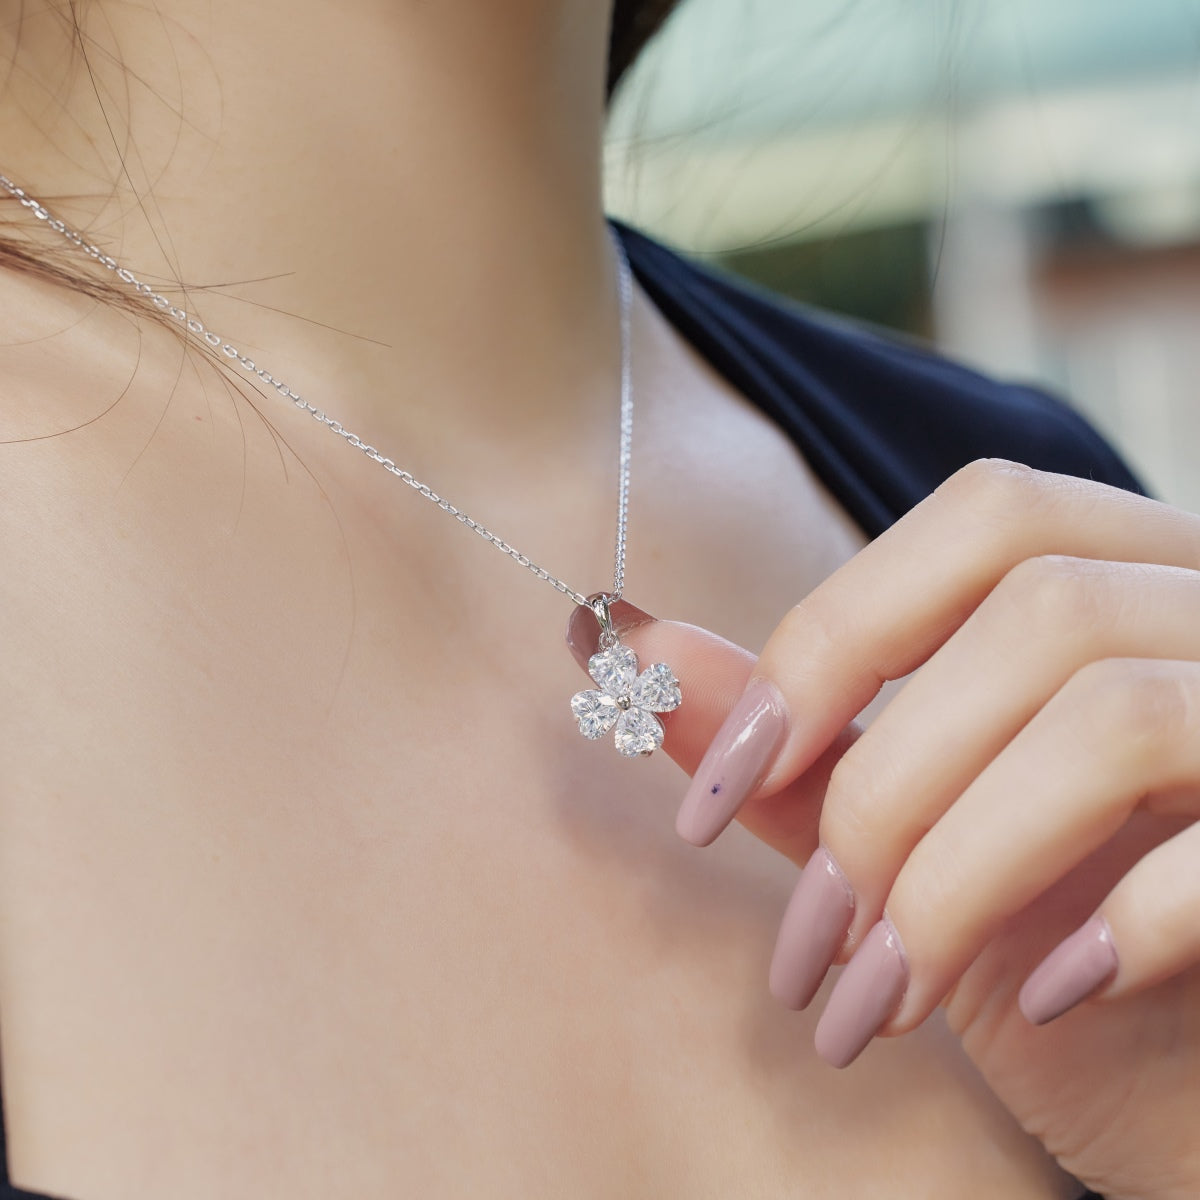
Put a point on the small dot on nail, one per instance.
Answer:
(716, 787)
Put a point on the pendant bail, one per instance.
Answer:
(600, 604)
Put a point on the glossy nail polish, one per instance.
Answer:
(734, 764)
(583, 630)
(1071, 972)
(812, 931)
(866, 994)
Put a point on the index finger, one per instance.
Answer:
(885, 611)
(713, 673)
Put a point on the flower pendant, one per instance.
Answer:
(626, 700)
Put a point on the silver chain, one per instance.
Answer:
(216, 342)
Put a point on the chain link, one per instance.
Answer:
(216, 342)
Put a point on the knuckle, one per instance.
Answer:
(1056, 595)
(863, 812)
(998, 488)
(848, 813)
(806, 625)
(927, 891)
(1140, 705)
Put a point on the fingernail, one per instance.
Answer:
(1071, 972)
(812, 931)
(867, 992)
(583, 630)
(734, 763)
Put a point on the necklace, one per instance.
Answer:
(623, 701)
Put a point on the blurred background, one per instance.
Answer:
(1017, 181)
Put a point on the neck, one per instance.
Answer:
(400, 204)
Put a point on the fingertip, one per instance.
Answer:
(583, 630)
(813, 927)
(1074, 970)
(734, 764)
(866, 996)
(583, 634)
(695, 831)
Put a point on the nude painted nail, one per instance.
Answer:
(734, 763)
(1071, 972)
(583, 630)
(867, 992)
(812, 931)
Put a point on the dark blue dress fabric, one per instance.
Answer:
(880, 419)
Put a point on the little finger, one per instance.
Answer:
(1144, 932)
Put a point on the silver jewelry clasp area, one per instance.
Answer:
(600, 604)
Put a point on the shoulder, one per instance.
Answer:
(864, 403)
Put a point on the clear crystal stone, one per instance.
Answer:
(657, 689)
(626, 701)
(595, 712)
(638, 732)
(614, 670)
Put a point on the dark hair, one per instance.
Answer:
(634, 23)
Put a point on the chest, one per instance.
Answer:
(290, 790)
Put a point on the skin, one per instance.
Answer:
(307, 884)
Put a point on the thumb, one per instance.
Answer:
(712, 674)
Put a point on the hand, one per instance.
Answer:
(1015, 832)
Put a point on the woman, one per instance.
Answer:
(305, 892)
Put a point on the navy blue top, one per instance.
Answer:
(880, 419)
